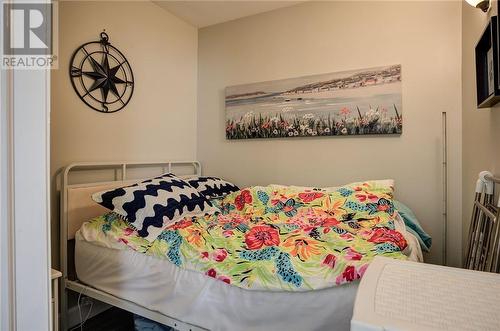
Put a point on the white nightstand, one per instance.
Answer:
(54, 276)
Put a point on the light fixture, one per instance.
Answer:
(484, 5)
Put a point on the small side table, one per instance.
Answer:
(54, 276)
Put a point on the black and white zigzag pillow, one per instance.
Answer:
(212, 187)
(151, 205)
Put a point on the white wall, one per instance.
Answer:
(159, 123)
(481, 129)
(321, 37)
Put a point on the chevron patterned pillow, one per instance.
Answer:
(212, 187)
(151, 205)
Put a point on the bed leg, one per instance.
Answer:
(64, 306)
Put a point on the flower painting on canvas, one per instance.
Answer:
(358, 102)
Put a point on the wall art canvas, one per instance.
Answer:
(358, 102)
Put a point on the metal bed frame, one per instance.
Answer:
(483, 246)
(75, 285)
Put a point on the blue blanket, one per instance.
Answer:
(413, 226)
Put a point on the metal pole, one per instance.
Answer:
(445, 189)
(493, 178)
(473, 225)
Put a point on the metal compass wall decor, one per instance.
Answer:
(102, 76)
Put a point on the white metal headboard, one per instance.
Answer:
(77, 206)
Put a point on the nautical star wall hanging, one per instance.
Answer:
(101, 76)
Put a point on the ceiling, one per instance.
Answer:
(205, 13)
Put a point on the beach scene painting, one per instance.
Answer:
(358, 102)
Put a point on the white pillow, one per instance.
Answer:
(329, 189)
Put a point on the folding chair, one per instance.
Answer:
(483, 248)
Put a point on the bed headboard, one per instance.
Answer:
(80, 180)
(81, 207)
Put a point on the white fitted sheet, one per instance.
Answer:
(194, 298)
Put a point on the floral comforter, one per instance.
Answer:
(278, 238)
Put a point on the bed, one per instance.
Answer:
(177, 297)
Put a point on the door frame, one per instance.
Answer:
(25, 302)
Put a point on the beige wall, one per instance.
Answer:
(481, 129)
(159, 123)
(321, 37)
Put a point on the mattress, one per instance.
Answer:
(194, 298)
